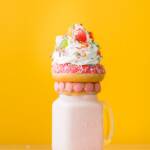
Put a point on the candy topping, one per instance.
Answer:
(77, 87)
(68, 87)
(97, 87)
(88, 87)
(64, 43)
(91, 35)
(56, 86)
(61, 86)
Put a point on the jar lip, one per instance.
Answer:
(78, 97)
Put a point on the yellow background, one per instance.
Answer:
(27, 34)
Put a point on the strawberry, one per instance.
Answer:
(81, 36)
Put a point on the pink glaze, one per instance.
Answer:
(97, 87)
(88, 87)
(68, 87)
(56, 86)
(61, 86)
(69, 68)
(78, 87)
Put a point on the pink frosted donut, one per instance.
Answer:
(89, 87)
(68, 87)
(69, 68)
(97, 87)
(56, 86)
(61, 86)
(78, 87)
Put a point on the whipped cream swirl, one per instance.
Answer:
(76, 47)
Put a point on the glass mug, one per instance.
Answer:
(77, 123)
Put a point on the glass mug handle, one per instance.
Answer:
(110, 118)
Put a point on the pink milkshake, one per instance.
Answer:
(77, 115)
